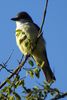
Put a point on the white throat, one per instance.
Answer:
(20, 23)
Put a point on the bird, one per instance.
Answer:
(27, 32)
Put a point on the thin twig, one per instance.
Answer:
(3, 66)
(9, 58)
(15, 71)
(57, 97)
(28, 69)
(44, 16)
(19, 61)
(43, 20)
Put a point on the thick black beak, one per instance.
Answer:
(15, 19)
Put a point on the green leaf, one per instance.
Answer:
(17, 96)
(56, 90)
(20, 82)
(52, 93)
(4, 89)
(7, 90)
(31, 63)
(8, 81)
(37, 72)
(46, 83)
(11, 98)
(1, 96)
(31, 73)
(17, 78)
(35, 88)
(46, 88)
(17, 84)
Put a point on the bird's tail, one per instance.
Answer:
(42, 61)
(47, 71)
(48, 74)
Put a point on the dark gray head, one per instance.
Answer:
(22, 15)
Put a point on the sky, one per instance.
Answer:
(54, 32)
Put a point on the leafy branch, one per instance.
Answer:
(15, 71)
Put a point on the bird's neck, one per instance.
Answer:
(20, 24)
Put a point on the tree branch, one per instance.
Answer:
(15, 71)
(4, 65)
(57, 97)
(44, 16)
(41, 27)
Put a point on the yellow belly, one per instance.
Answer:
(27, 40)
(24, 46)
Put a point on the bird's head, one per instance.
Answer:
(22, 16)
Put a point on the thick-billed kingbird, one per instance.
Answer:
(26, 36)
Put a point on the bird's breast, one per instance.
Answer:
(26, 36)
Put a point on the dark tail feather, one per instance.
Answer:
(47, 71)
(48, 74)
